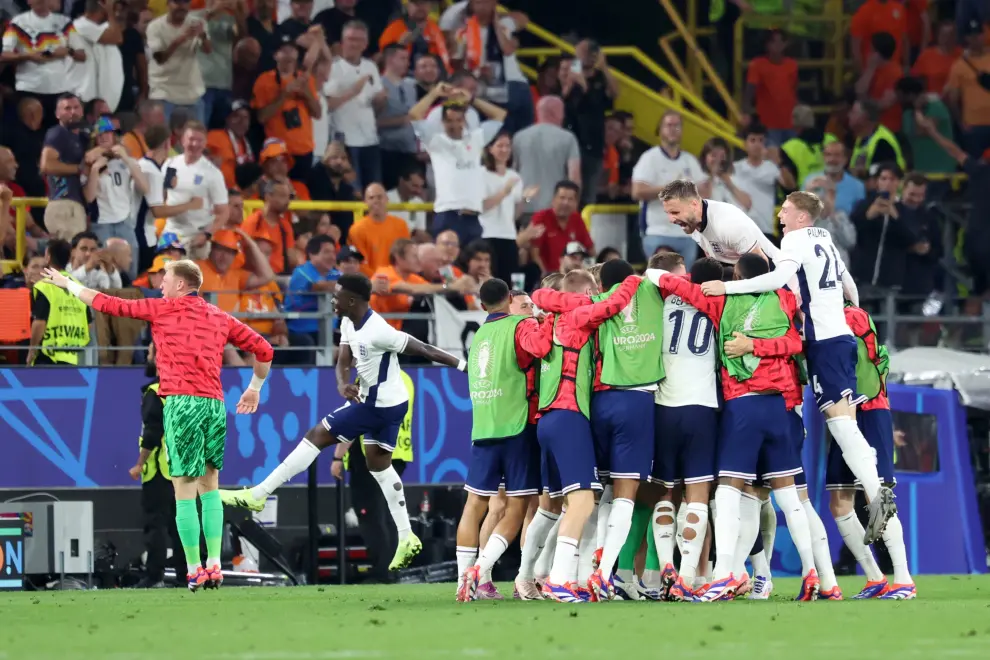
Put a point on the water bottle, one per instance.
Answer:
(424, 505)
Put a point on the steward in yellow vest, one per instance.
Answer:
(59, 325)
(875, 143)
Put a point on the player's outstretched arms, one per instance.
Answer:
(430, 352)
(145, 309)
(558, 302)
(775, 279)
(592, 316)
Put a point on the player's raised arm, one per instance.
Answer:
(592, 316)
(430, 352)
(250, 341)
(691, 293)
(145, 309)
(775, 279)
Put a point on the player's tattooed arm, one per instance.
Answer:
(347, 389)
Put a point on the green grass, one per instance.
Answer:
(951, 618)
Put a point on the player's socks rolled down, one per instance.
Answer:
(852, 535)
(663, 532)
(856, 452)
(298, 460)
(696, 520)
(727, 504)
(749, 530)
(545, 559)
(564, 561)
(768, 529)
(391, 485)
(494, 549)
(640, 523)
(187, 522)
(536, 539)
(651, 568)
(466, 558)
(604, 510)
(797, 524)
(819, 546)
(617, 531)
(212, 526)
(893, 538)
(679, 532)
(587, 547)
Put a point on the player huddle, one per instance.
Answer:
(673, 402)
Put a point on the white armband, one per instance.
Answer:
(256, 383)
(73, 287)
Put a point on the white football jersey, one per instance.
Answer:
(819, 275)
(116, 193)
(726, 233)
(375, 345)
(689, 357)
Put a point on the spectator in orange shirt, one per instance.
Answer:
(876, 16)
(273, 223)
(405, 285)
(286, 101)
(771, 90)
(219, 274)
(150, 113)
(374, 234)
(968, 91)
(934, 62)
(276, 165)
(267, 298)
(419, 33)
(878, 81)
(919, 26)
(229, 146)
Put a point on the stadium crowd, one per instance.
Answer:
(149, 124)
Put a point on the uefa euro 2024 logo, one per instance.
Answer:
(482, 357)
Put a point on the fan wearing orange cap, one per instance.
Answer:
(220, 276)
(275, 165)
(152, 278)
(274, 224)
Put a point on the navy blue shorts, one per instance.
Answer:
(623, 429)
(754, 435)
(549, 476)
(514, 462)
(832, 370)
(379, 426)
(685, 438)
(878, 428)
(795, 427)
(565, 436)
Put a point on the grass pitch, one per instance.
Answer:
(951, 618)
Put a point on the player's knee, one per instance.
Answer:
(320, 438)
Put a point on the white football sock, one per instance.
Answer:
(893, 538)
(619, 522)
(663, 533)
(494, 549)
(545, 559)
(604, 511)
(536, 538)
(564, 561)
(857, 453)
(819, 547)
(391, 485)
(691, 548)
(587, 547)
(768, 530)
(797, 525)
(749, 529)
(760, 565)
(679, 532)
(727, 503)
(852, 535)
(298, 460)
(466, 558)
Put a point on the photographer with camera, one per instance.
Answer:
(116, 183)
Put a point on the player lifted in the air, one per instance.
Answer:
(189, 336)
(808, 252)
(374, 408)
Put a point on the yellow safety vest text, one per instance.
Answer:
(67, 326)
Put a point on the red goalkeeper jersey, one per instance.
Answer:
(189, 335)
(776, 372)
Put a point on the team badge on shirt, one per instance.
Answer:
(198, 179)
(363, 351)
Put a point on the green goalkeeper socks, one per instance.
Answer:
(640, 522)
(652, 559)
(187, 522)
(212, 526)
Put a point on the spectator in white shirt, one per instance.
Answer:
(115, 183)
(758, 178)
(655, 169)
(354, 92)
(174, 76)
(455, 154)
(409, 190)
(101, 75)
(38, 43)
(716, 164)
(92, 266)
(398, 139)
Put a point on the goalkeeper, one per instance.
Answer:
(190, 335)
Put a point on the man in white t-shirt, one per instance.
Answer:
(455, 153)
(174, 76)
(101, 75)
(115, 183)
(654, 170)
(190, 175)
(410, 191)
(354, 94)
(758, 177)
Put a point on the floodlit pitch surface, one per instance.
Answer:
(950, 619)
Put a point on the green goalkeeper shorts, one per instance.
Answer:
(195, 434)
